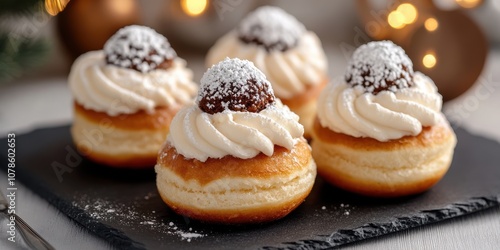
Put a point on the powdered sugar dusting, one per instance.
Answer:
(127, 215)
(271, 27)
(336, 210)
(138, 47)
(234, 84)
(379, 66)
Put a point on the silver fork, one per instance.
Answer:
(32, 238)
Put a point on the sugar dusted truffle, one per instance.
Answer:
(140, 48)
(380, 66)
(234, 85)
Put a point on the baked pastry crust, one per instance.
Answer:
(409, 165)
(140, 120)
(231, 190)
(130, 141)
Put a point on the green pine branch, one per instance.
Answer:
(19, 54)
(18, 6)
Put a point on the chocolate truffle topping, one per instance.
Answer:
(380, 66)
(272, 28)
(236, 85)
(139, 48)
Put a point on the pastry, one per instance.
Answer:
(379, 130)
(126, 96)
(237, 155)
(290, 56)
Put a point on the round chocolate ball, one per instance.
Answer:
(380, 66)
(235, 85)
(271, 28)
(139, 48)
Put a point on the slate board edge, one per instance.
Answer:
(112, 235)
(371, 230)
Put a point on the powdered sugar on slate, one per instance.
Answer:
(138, 47)
(379, 66)
(336, 210)
(128, 215)
(271, 27)
(234, 84)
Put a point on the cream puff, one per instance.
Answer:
(290, 56)
(237, 155)
(125, 97)
(379, 130)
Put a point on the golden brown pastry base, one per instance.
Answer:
(123, 160)
(232, 190)
(238, 216)
(304, 105)
(261, 166)
(129, 141)
(406, 166)
(140, 120)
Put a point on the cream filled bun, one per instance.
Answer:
(238, 155)
(290, 56)
(126, 96)
(379, 131)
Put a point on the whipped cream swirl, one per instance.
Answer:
(384, 116)
(290, 72)
(199, 135)
(114, 90)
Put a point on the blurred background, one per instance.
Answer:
(449, 40)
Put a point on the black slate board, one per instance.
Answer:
(123, 207)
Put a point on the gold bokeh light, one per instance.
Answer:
(194, 7)
(120, 7)
(431, 24)
(53, 7)
(409, 12)
(429, 60)
(469, 4)
(396, 19)
(403, 15)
